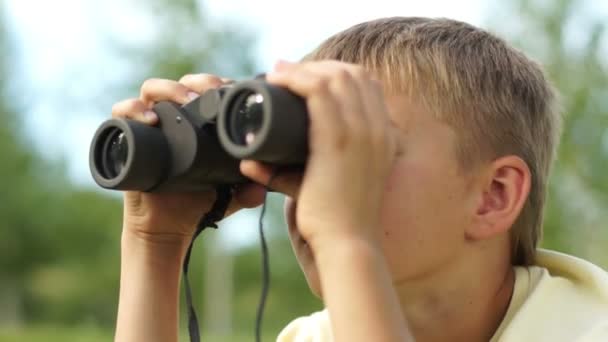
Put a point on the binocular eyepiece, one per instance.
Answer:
(199, 145)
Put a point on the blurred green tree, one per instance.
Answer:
(59, 261)
(60, 243)
(569, 38)
(56, 241)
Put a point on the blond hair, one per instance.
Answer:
(498, 101)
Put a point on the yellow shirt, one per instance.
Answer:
(562, 298)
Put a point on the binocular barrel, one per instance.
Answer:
(199, 145)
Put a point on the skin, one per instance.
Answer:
(383, 206)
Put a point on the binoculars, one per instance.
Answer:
(198, 146)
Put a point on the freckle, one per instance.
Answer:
(386, 233)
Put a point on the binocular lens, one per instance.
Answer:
(128, 155)
(246, 117)
(115, 153)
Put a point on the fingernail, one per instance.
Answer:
(247, 164)
(192, 95)
(150, 115)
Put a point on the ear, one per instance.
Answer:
(504, 191)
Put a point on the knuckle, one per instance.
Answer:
(207, 81)
(187, 78)
(376, 85)
(209, 78)
(201, 82)
(320, 85)
(206, 78)
(343, 76)
(148, 85)
(359, 72)
(126, 108)
(341, 140)
(116, 109)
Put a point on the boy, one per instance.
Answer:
(420, 209)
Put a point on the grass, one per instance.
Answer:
(50, 333)
(54, 334)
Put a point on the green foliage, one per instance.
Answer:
(289, 297)
(59, 259)
(188, 41)
(58, 333)
(55, 333)
(55, 237)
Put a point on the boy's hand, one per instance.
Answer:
(352, 148)
(172, 217)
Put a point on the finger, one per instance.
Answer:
(326, 122)
(375, 103)
(378, 119)
(370, 120)
(199, 83)
(286, 182)
(347, 82)
(387, 127)
(370, 99)
(156, 89)
(134, 109)
(344, 81)
(282, 64)
(245, 196)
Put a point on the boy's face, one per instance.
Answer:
(427, 202)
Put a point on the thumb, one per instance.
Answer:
(284, 181)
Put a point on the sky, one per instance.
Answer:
(61, 47)
(62, 56)
(292, 28)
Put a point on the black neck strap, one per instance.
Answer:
(210, 219)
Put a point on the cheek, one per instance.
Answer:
(404, 210)
(420, 218)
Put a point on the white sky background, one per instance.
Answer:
(61, 47)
